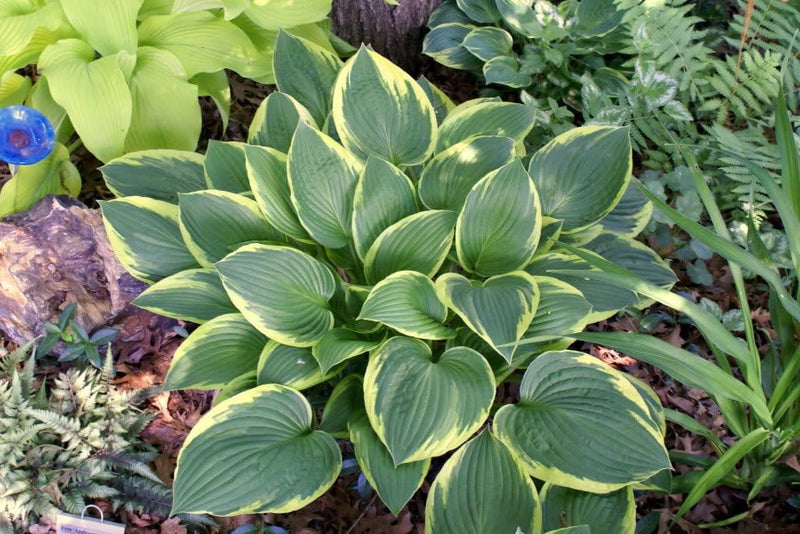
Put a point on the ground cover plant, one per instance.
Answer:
(357, 256)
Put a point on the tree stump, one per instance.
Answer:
(55, 254)
(393, 31)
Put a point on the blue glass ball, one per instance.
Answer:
(26, 136)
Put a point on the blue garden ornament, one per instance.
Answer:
(26, 136)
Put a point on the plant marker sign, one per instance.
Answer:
(78, 524)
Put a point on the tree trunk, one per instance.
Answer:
(393, 31)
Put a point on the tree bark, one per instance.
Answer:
(394, 32)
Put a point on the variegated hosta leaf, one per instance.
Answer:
(485, 118)
(520, 16)
(582, 174)
(146, 238)
(633, 256)
(419, 242)
(283, 292)
(630, 216)
(339, 345)
(444, 44)
(595, 18)
(422, 406)
(322, 179)
(266, 170)
(158, 174)
(499, 226)
(504, 70)
(407, 302)
(451, 174)
(306, 72)
(379, 109)
(217, 352)
(442, 105)
(557, 430)
(256, 452)
(291, 366)
(482, 488)
(395, 484)
(194, 295)
(562, 310)
(479, 11)
(276, 120)
(488, 42)
(383, 196)
(499, 310)
(610, 512)
(215, 223)
(224, 166)
(345, 402)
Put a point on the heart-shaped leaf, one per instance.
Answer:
(444, 44)
(488, 42)
(194, 295)
(295, 367)
(422, 406)
(339, 345)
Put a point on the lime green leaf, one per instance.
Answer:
(395, 484)
(107, 26)
(306, 72)
(215, 223)
(256, 452)
(407, 302)
(444, 44)
(14, 89)
(504, 119)
(500, 310)
(488, 42)
(322, 178)
(215, 85)
(582, 174)
(339, 345)
(558, 432)
(20, 20)
(274, 14)
(233, 8)
(379, 109)
(224, 166)
(481, 489)
(158, 174)
(630, 216)
(612, 512)
(146, 238)
(422, 406)
(419, 242)
(291, 366)
(499, 226)
(276, 120)
(448, 178)
(345, 402)
(217, 352)
(281, 291)
(94, 93)
(383, 196)
(54, 175)
(155, 7)
(194, 295)
(41, 99)
(266, 171)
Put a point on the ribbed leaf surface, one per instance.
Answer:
(630, 216)
(194, 295)
(107, 26)
(611, 512)
(339, 345)
(276, 120)
(345, 402)
(485, 118)
(224, 166)
(562, 310)
(158, 174)
(291, 366)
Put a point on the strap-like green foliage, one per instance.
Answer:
(414, 270)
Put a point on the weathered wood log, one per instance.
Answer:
(52, 255)
(394, 31)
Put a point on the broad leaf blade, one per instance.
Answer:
(158, 174)
(194, 295)
(294, 367)
(610, 512)
(339, 345)
(225, 166)
(276, 120)
(504, 119)
(107, 26)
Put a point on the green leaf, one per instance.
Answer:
(225, 166)
(256, 452)
(294, 367)
(633, 256)
(499, 226)
(146, 238)
(54, 175)
(631, 215)
(520, 16)
(276, 120)
(562, 310)
(322, 178)
(107, 26)
(240, 384)
(306, 72)
(383, 196)
(281, 291)
(504, 119)
(14, 89)
(277, 14)
(442, 105)
(215, 223)
(395, 484)
(422, 406)
(484, 12)
(379, 109)
(448, 178)
(194, 295)
(215, 85)
(217, 352)
(790, 160)
(499, 310)
(558, 432)
(93, 91)
(481, 489)
(504, 70)
(407, 302)
(345, 402)
(419, 242)
(610, 512)
(202, 43)
(488, 42)
(158, 174)
(20, 20)
(165, 109)
(339, 345)
(582, 174)
(595, 18)
(444, 44)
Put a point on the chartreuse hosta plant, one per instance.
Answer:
(125, 74)
(378, 247)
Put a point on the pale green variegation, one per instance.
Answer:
(389, 255)
(610, 512)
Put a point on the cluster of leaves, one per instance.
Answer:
(126, 75)
(68, 441)
(380, 249)
(79, 344)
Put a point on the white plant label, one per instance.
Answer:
(75, 524)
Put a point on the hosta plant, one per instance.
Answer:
(380, 249)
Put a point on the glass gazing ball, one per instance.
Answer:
(26, 136)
